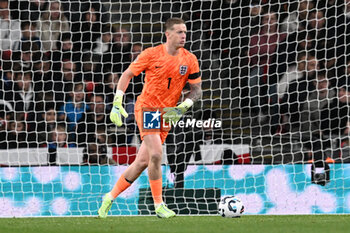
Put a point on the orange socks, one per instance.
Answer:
(156, 189)
(119, 187)
(122, 184)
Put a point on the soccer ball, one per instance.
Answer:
(231, 207)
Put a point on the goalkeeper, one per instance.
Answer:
(168, 68)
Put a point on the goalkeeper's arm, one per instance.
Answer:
(175, 114)
(118, 109)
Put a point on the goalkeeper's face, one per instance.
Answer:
(176, 36)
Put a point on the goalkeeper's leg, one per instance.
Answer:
(125, 180)
(150, 154)
(154, 147)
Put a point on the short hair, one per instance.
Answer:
(61, 127)
(49, 106)
(106, 28)
(322, 74)
(137, 44)
(172, 21)
(300, 55)
(25, 24)
(94, 95)
(79, 85)
(63, 37)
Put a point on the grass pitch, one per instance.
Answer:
(181, 224)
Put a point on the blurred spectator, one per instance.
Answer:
(5, 116)
(69, 74)
(3, 142)
(42, 77)
(91, 68)
(95, 154)
(121, 49)
(46, 123)
(6, 111)
(63, 82)
(10, 29)
(255, 11)
(317, 99)
(101, 134)
(64, 51)
(312, 37)
(53, 22)
(74, 113)
(16, 136)
(59, 139)
(261, 51)
(335, 116)
(294, 72)
(7, 80)
(332, 10)
(335, 122)
(133, 91)
(343, 75)
(44, 83)
(322, 38)
(338, 23)
(29, 53)
(297, 17)
(110, 84)
(29, 9)
(238, 40)
(297, 93)
(288, 51)
(89, 29)
(122, 39)
(103, 48)
(136, 49)
(317, 21)
(264, 43)
(136, 83)
(24, 97)
(29, 32)
(104, 43)
(208, 24)
(97, 116)
(337, 17)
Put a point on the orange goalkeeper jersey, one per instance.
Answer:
(166, 75)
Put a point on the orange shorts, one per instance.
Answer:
(143, 132)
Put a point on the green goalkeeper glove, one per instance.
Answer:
(174, 114)
(118, 109)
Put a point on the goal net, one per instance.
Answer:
(271, 127)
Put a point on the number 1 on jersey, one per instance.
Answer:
(169, 81)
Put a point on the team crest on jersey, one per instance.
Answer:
(183, 70)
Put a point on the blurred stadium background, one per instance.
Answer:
(274, 72)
